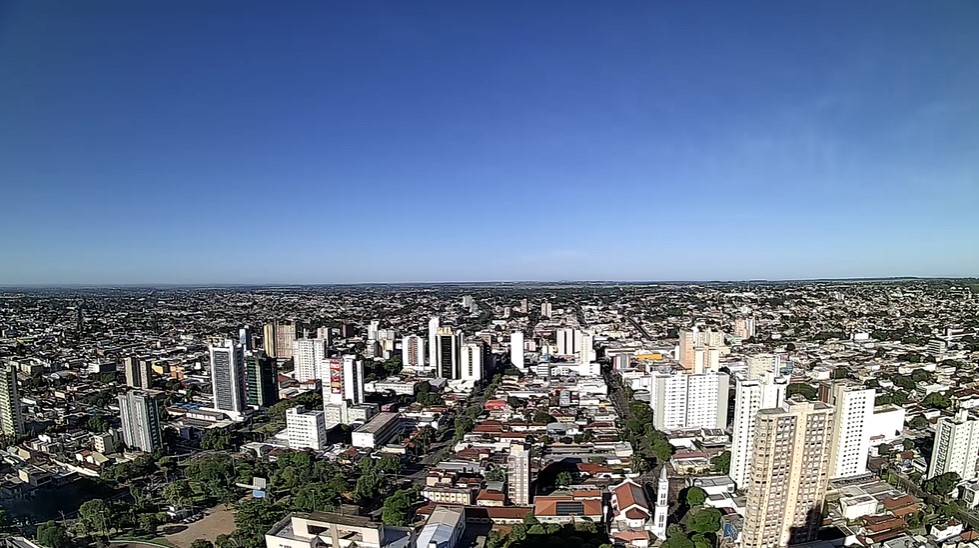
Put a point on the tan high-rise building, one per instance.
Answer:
(789, 472)
(139, 373)
(278, 338)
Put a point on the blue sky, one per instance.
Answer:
(254, 142)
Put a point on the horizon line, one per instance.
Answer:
(5, 287)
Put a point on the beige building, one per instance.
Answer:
(325, 529)
(789, 473)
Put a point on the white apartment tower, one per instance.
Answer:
(353, 379)
(413, 351)
(472, 360)
(760, 364)
(306, 429)
(309, 357)
(956, 446)
(11, 419)
(750, 397)
(587, 349)
(516, 350)
(140, 417)
(568, 341)
(228, 378)
(853, 414)
(433, 328)
(518, 475)
(545, 310)
(681, 400)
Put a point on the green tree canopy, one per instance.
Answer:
(696, 496)
(942, 484)
(722, 462)
(807, 391)
(397, 508)
(52, 535)
(707, 520)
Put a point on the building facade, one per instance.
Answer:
(140, 415)
(306, 429)
(680, 400)
(11, 418)
(139, 373)
(261, 379)
(750, 396)
(413, 351)
(228, 378)
(853, 415)
(518, 475)
(789, 474)
(956, 446)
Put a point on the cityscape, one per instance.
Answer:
(489, 274)
(493, 415)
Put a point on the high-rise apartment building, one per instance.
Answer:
(524, 306)
(306, 429)
(372, 329)
(326, 334)
(545, 310)
(518, 475)
(11, 419)
(681, 400)
(308, 358)
(699, 351)
(750, 396)
(413, 351)
(516, 350)
(744, 328)
(228, 378)
(448, 346)
(261, 379)
(433, 346)
(789, 474)
(568, 341)
(761, 364)
(245, 338)
(140, 414)
(587, 350)
(956, 446)
(853, 407)
(139, 373)
(278, 337)
(343, 381)
(472, 360)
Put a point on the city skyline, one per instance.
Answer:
(256, 144)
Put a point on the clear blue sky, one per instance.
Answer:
(252, 142)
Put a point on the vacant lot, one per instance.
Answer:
(217, 521)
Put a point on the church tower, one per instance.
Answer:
(662, 505)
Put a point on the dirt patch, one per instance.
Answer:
(216, 521)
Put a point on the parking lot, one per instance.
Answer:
(216, 521)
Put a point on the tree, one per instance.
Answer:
(678, 541)
(96, 516)
(97, 424)
(918, 423)
(722, 462)
(564, 479)
(942, 485)
(707, 520)
(52, 535)
(920, 376)
(544, 417)
(150, 521)
(902, 381)
(178, 493)
(216, 439)
(202, 543)
(937, 400)
(696, 496)
(316, 497)
(397, 507)
(805, 390)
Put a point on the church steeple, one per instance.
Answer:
(662, 506)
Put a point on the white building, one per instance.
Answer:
(587, 349)
(413, 351)
(681, 401)
(886, 424)
(518, 475)
(662, 506)
(228, 378)
(516, 350)
(472, 360)
(309, 357)
(568, 341)
(760, 364)
(750, 396)
(956, 446)
(433, 328)
(306, 429)
(854, 412)
(353, 379)
(372, 330)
